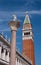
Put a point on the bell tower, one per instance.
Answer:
(27, 40)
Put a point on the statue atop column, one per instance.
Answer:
(14, 18)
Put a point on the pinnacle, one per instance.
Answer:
(27, 20)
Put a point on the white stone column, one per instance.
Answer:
(0, 51)
(4, 54)
(7, 56)
(20, 62)
(16, 61)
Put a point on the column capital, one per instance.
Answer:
(14, 25)
(13, 28)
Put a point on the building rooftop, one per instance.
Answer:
(2, 38)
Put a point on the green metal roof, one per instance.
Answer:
(27, 20)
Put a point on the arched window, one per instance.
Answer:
(27, 33)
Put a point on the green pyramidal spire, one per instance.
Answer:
(27, 20)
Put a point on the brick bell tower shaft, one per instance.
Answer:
(27, 40)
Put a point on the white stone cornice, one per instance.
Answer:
(25, 38)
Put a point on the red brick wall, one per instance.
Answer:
(27, 26)
(28, 49)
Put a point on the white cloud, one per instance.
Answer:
(35, 12)
(4, 29)
(1, 20)
(21, 13)
(6, 15)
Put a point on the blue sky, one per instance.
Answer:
(19, 7)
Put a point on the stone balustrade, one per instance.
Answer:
(20, 62)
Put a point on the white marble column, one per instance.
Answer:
(7, 56)
(4, 54)
(0, 51)
(16, 61)
(20, 63)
